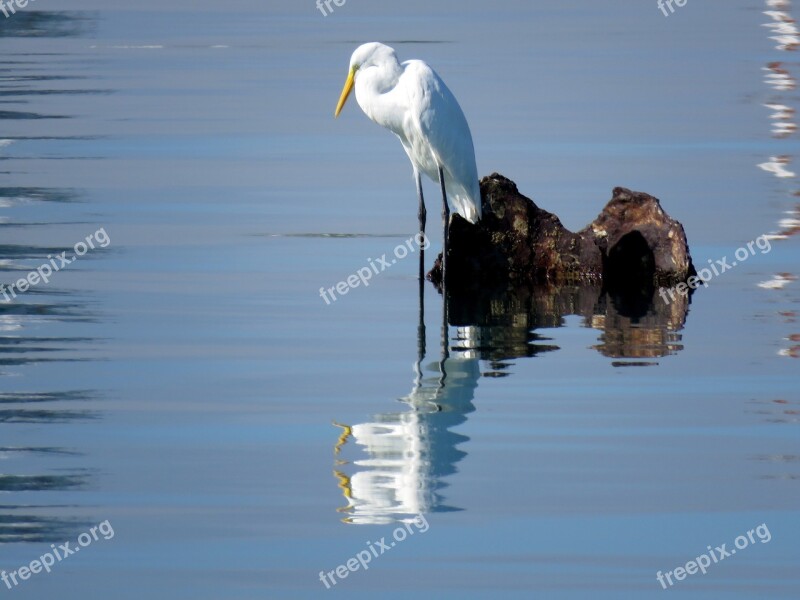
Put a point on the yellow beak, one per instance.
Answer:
(348, 87)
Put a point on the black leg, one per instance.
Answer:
(445, 341)
(445, 320)
(445, 233)
(421, 243)
(421, 336)
(422, 214)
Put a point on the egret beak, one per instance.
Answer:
(348, 87)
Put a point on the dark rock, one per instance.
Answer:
(633, 245)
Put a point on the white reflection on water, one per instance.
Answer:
(779, 281)
(782, 116)
(409, 452)
(779, 78)
(784, 28)
(777, 166)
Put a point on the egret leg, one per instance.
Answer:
(421, 337)
(445, 337)
(422, 212)
(446, 218)
(445, 320)
(421, 325)
(422, 218)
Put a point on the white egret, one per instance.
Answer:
(412, 101)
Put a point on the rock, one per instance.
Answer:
(632, 245)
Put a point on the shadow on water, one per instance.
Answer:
(27, 408)
(18, 526)
(10, 196)
(27, 415)
(43, 467)
(48, 24)
(32, 468)
(394, 466)
(30, 323)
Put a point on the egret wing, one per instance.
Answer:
(439, 135)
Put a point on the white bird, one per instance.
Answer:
(413, 102)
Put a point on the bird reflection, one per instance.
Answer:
(393, 467)
(407, 453)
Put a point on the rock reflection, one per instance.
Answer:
(635, 324)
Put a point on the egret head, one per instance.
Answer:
(373, 54)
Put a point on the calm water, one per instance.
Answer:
(187, 384)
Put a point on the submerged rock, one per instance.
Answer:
(632, 244)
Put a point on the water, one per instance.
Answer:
(187, 383)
